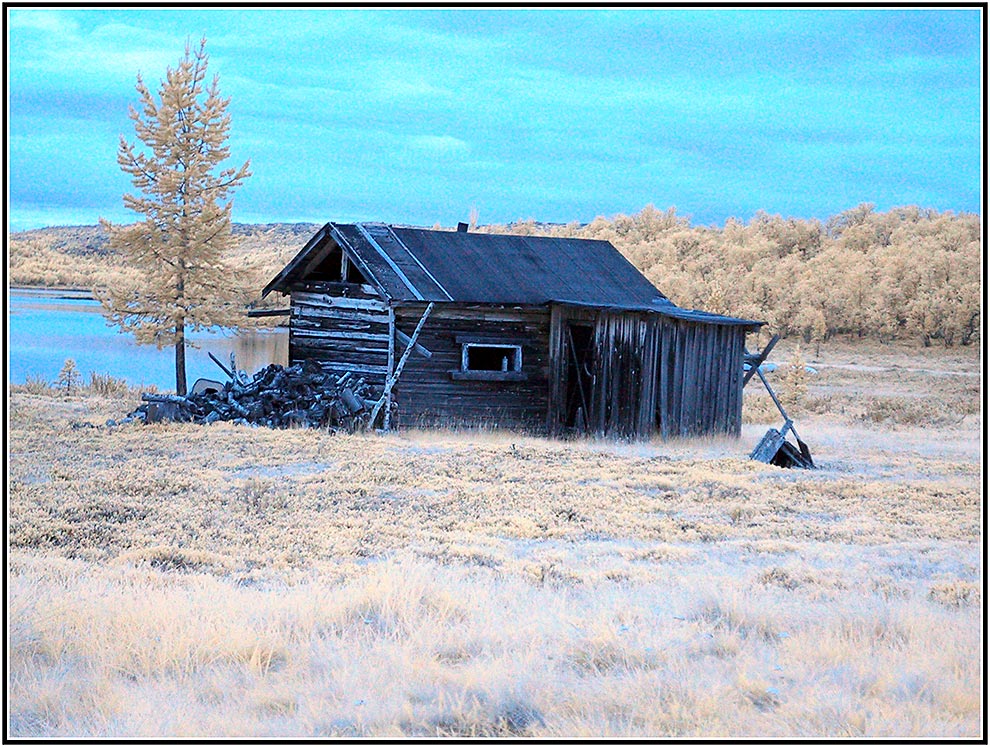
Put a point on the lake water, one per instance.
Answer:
(47, 327)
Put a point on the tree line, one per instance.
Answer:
(906, 274)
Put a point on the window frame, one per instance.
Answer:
(514, 372)
(515, 362)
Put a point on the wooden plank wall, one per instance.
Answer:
(426, 394)
(342, 334)
(699, 378)
(653, 374)
(626, 347)
(624, 365)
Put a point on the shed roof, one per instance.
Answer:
(418, 264)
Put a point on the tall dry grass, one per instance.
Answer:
(221, 581)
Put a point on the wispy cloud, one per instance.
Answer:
(417, 115)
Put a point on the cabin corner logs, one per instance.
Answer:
(566, 368)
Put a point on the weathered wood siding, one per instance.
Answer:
(650, 374)
(428, 394)
(699, 378)
(341, 333)
(622, 358)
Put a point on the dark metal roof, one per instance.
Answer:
(497, 268)
(418, 264)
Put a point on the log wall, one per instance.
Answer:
(432, 391)
(650, 374)
(341, 333)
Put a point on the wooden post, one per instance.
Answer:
(387, 424)
(402, 362)
(755, 361)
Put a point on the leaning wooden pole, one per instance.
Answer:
(387, 424)
(387, 394)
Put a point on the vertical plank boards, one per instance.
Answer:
(699, 373)
(711, 387)
(678, 383)
(387, 424)
(690, 381)
(704, 367)
(715, 378)
(704, 371)
(733, 381)
(602, 369)
(733, 378)
(724, 379)
(660, 375)
(682, 377)
(557, 386)
(646, 423)
(671, 402)
(737, 378)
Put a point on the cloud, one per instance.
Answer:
(439, 145)
(44, 21)
(417, 115)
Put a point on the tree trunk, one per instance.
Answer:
(180, 360)
(180, 334)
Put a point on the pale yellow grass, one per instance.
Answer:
(223, 581)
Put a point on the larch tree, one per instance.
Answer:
(180, 248)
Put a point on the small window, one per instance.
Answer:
(484, 357)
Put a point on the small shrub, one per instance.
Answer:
(37, 385)
(260, 496)
(955, 594)
(777, 576)
(740, 513)
(759, 408)
(793, 381)
(106, 385)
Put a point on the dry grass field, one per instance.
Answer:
(223, 581)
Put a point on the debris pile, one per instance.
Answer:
(301, 395)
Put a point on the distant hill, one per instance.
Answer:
(79, 257)
(908, 273)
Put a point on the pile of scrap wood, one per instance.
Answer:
(303, 394)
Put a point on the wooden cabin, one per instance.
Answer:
(551, 335)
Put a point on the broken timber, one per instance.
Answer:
(394, 376)
(774, 448)
(304, 394)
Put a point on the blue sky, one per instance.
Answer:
(419, 116)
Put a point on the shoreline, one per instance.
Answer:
(56, 291)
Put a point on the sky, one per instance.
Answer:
(420, 116)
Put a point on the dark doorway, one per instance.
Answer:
(578, 340)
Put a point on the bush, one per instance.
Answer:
(37, 385)
(106, 385)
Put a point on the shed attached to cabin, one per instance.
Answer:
(551, 335)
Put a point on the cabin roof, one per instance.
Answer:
(418, 264)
